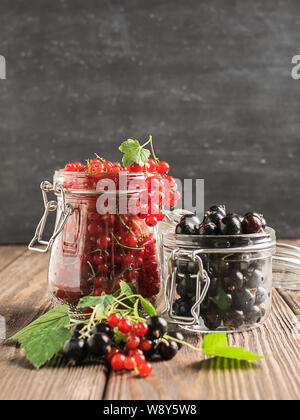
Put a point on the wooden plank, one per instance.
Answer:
(23, 291)
(191, 376)
(9, 253)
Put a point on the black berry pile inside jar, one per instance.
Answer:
(233, 256)
(111, 234)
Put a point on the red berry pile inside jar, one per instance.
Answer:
(110, 237)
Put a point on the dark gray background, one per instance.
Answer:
(210, 80)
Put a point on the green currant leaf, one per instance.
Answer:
(216, 344)
(127, 290)
(45, 337)
(136, 308)
(134, 152)
(148, 307)
(88, 301)
(221, 300)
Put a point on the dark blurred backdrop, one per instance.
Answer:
(210, 80)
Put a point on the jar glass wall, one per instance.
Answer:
(96, 251)
(236, 272)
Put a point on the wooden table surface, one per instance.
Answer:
(23, 291)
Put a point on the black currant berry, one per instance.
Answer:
(253, 315)
(157, 327)
(214, 218)
(261, 295)
(75, 350)
(168, 349)
(234, 280)
(252, 223)
(255, 279)
(212, 318)
(231, 225)
(178, 335)
(208, 228)
(218, 209)
(103, 328)
(76, 330)
(99, 344)
(192, 267)
(182, 308)
(186, 287)
(234, 319)
(189, 224)
(243, 299)
(154, 349)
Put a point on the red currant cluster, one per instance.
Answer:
(160, 188)
(115, 248)
(132, 356)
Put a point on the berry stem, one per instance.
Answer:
(124, 224)
(125, 246)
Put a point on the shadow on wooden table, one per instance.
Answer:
(220, 363)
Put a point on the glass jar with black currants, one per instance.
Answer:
(219, 271)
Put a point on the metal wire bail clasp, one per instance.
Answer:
(201, 278)
(50, 206)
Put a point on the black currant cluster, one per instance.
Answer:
(238, 295)
(218, 222)
(97, 344)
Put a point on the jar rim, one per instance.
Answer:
(221, 243)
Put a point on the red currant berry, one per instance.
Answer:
(98, 259)
(145, 369)
(130, 240)
(151, 165)
(115, 170)
(140, 329)
(162, 168)
(103, 242)
(128, 260)
(117, 362)
(94, 229)
(132, 341)
(71, 167)
(177, 195)
(151, 221)
(139, 359)
(113, 320)
(108, 166)
(145, 344)
(153, 209)
(118, 164)
(129, 363)
(170, 182)
(135, 352)
(161, 215)
(124, 326)
(153, 183)
(111, 353)
(135, 167)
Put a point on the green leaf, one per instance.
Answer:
(136, 308)
(118, 336)
(221, 300)
(127, 290)
(148, 307)
(216, 344)
(88, 301)
(134, 152)
(45, 337)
